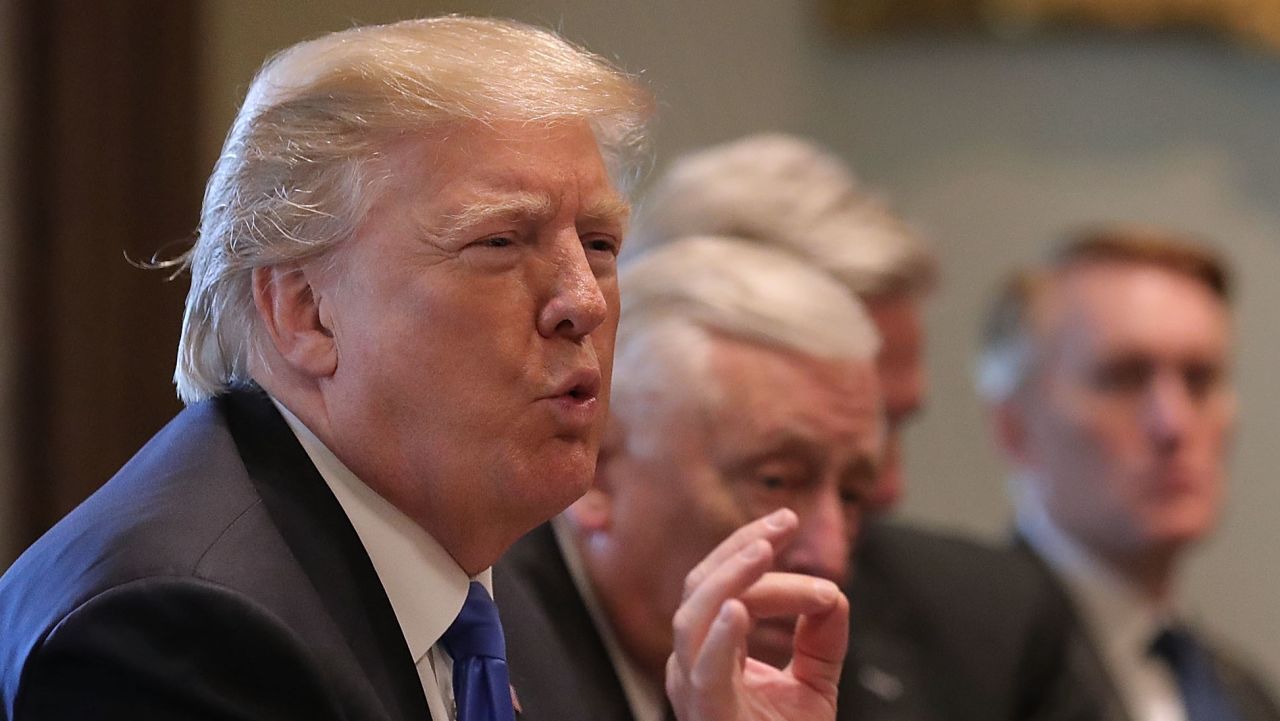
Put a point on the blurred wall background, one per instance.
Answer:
(992, 148)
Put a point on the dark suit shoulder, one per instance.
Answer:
(943, 563)
(158, 516)
(179, 647)
(1254, 697)
(220, 514)
(973, 628)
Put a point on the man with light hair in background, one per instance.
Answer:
(943, 628)
(745, 383)
(396, 357)
(1107, 370)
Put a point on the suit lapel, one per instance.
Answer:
(559, 664)
(327, 547)
(1084, 659)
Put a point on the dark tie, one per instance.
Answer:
(1203, 696)
(481, 687)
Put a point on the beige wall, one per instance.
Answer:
(993, 149)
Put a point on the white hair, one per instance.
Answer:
(677, 297)
(781, 190)
(299, 168)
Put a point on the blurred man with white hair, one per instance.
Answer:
(943, 628)
(396, 358)
(745, 384)
(1108, 373)
(783, 191)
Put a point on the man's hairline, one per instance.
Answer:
(1040, 327)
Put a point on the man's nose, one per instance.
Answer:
(1169, 410)
(888, 488)
(824, 541)
(576, 305)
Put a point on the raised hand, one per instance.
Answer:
(710, 677)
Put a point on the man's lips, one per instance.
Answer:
(580, 385)
(573, 401)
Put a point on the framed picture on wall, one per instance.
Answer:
(1253, 22)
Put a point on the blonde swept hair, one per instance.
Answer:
(297, 172)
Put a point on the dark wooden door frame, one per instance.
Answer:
(107, 169)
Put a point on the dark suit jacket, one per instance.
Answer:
(558, 663)
(214, 577)
(942, 629)
(1089, 674)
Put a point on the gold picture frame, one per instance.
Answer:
(1253, 22)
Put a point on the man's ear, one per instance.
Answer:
(1009, 423)
(299, 328)
(594, 511)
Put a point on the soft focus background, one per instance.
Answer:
(992, 147)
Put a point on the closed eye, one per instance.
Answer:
(601, 244)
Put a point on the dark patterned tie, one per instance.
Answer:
(481, 687)
(1203, 696)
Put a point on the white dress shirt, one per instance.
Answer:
(1121, 622)
(425, 585)
(647, 701)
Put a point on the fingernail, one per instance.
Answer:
(726, 612)
(779, 519)
(825, 590)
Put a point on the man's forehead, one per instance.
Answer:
(1123, 307)
(793, 393)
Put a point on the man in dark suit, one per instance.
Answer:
(746, 382)
(942, 628)
(396, 357)
(1108, 374)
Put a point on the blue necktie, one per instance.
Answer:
(1203, 696)
(481, 687)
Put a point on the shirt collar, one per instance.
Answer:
(647, 702)
(1120, 618)
(425, 586)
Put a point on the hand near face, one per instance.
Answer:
(710, 677)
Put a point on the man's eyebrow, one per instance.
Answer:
(507, 205)
(777, 445)
(608, 208)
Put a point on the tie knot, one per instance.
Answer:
(1176, 647)
(476, 631)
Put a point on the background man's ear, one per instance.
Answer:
(298, 323)
(1009, 423)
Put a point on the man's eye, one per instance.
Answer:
(604, 245)
(1201, 380)
(772, 482)
(1128, 377)
(500, 241)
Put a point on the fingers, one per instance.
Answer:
(714, 675)
(822, 637)
(774, 528)
(789, 594)
(722, 594)
(702, 603)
